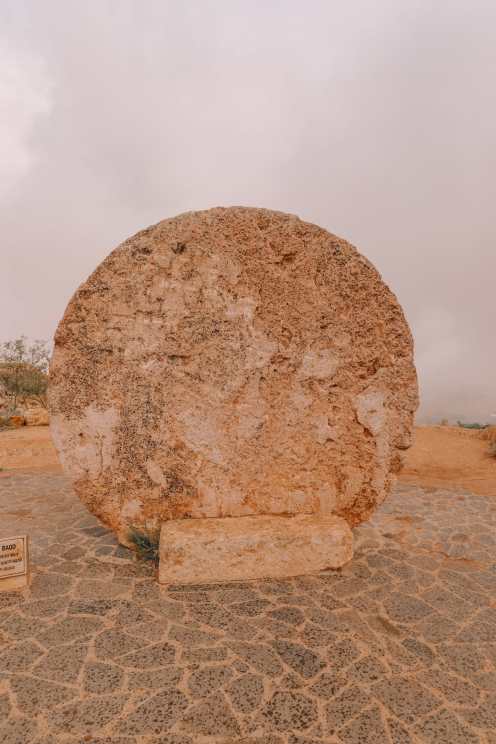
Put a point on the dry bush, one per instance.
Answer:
(23, 372)
(489, 434)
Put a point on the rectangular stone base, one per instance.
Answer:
(14, 582)
(203, 551)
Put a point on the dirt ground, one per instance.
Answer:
(442, 456)
(448, 456)
(29, 449)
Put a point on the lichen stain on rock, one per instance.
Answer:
(86, 444)
(264, 368)
(321, 364)
(369, 407)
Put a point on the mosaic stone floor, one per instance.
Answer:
(398, 647)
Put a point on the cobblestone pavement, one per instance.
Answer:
(398, 647)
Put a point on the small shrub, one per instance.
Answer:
(146, 543)
(472, 426)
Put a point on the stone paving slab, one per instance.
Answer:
(397, 647)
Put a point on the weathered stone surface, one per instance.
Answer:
(235, 548)
(232, 362)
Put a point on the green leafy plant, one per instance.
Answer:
(145, 542)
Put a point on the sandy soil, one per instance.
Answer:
(442, 456)
(448, 456)
(28, 448)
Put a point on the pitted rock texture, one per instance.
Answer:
(232, 362)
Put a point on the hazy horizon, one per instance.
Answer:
(374, 120)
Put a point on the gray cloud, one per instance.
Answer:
(374, 119)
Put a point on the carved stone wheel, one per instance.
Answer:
(232, 362)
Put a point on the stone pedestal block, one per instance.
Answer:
(14, 582)
(241, 548)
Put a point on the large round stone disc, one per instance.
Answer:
(232, 362)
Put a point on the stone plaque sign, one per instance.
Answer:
(14, 562)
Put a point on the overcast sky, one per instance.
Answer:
(373, 119)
